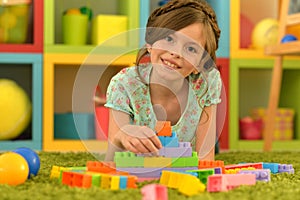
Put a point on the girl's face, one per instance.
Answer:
(179, 53)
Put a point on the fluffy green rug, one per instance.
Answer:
(282, 186)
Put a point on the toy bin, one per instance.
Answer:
(14, 20)
(65, 127)
(250, 129)
(101, 122)
(109, 30)
(284, 122)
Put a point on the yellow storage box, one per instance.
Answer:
(110, 30)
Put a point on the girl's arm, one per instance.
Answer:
(124, 136)
(206, 133)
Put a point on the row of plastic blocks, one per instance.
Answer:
(129, 159)
(56, 171)
(185, 182)
(279, 168)
(105, 181)
(225, 182)
(154, 191)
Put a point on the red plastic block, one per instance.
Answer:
(163, 128)
(245, 165)
(225, 182)
(76, 179)
(154, 192)
(103, 167)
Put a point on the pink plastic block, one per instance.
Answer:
(154, 192)
(184, 150)
(225, 182)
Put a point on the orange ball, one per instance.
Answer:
(13, 169)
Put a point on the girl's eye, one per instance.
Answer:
(191, 49)
(169, 39)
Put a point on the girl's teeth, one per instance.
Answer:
(170, 64)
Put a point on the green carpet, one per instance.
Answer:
(282, 186)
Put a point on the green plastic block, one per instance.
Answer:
(203, 174)
(192, 161)
(178, 162)
(96, 180)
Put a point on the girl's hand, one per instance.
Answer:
(137, 139)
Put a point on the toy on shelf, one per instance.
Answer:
(14, 21)
(15, 109)
(265, 32)
(288, 38)
(17, 166)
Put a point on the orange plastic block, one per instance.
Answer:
(76, 179)
(163, 128)
(131, 181)
(103, 167)
(206, 164)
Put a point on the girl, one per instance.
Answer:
(180, 84)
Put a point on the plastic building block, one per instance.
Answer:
(178, 162)
(131, 181)
(261, 174)
(203, 174)
(272, 166)
(217, 170)
(163, 128)
(157, 162)
(172, 141)
(154, 192)
(123, 182)
(115, 183)
(76, 179)
(207, 164)
(150, 172)
(184, 150)
(105, 181)
(225, 182)
(286, 168)
(236, 170)
(190, 185)
(103, 167)
(244, 165)
(128, 159)
(191, 161)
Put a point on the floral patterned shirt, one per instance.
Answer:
(127, 93)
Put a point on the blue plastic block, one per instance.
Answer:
(272, 166)
(123, 182)
(171, 141)
(65, 127)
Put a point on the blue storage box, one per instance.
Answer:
(64, 126)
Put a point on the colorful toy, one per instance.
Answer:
(13, 169)
(265, 33)
(32, 159)
(154, 192)
(288, 38)
(15, 109)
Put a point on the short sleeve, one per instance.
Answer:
(117, 96)
(214, 88)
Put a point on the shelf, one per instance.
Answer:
(35, 43)
(244, 15)
(249, 84)
(289, 48)
(64, 75)
(54, 9)
(26, 70)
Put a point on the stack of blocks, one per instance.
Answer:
(173, 155)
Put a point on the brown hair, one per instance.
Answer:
(178, 14)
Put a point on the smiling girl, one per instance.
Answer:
(180, 84)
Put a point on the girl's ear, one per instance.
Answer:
(149, 48)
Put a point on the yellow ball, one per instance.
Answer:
(13, 169)
(15, 109)
(265, 33)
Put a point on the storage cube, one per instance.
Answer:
(284, 122)
(14, 20)
(106, 26)
(65, 128)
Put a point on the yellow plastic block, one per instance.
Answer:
(105, 181)
(157, 162)
(175, 180)
(109, 30)
(190, 185)
(115, 182)
(164, 178)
